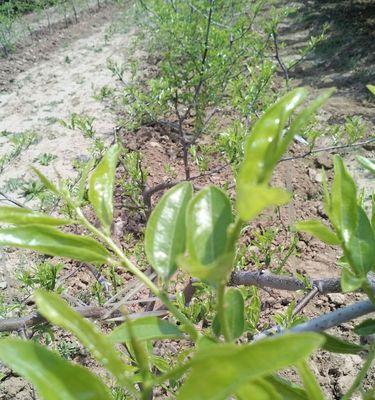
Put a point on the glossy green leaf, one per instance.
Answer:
(101, 186)
(319, 230)
(365, 328)
(208, 217)
(262, 143)
(147, 328)
(234, 314)
(46, 182)
(259, 389)
(310, 383)
(166, 230)
(53, 377)
(22, 216)
(343, 213)
(300, 120)
(213, 273)
(51, 241)
(252, 200)
(57, 311)
(373, 211)
(286, 389)
(349, 281)
(360, 248)
(368, 164)
(371, 88)
(336, 345)
(219, 371)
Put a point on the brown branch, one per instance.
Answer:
(98, 313)
(281, 282)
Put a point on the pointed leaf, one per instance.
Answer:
(310, 383)
(259, 389)
(53, 377)
(368, 164)
(337, 345)
(101, 186)
(22, 216)
(147, 328)
(208, 217)
(57, 311)
(360, 248)
(46, 182)
(49, 240)
(252, 200)
(365, 328)
(301, 120)
(371, 88)
(350, 282)
(286, 389)
(319, 230)
(264, 138)
(219, 371)
(166, 230)
(343, 213)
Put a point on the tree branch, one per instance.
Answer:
(281, 282)
(99, 313)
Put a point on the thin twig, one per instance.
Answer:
(331, 148)
(13, 201)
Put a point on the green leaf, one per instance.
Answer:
(360, 248)
(147, 328)
(286, 389)
(53, 377)
(49, 240)
(301, 119)
(371, 88)
(219, 371)
(319, 230)
(57, 311)
(251, 199)
(101, 186)
(343, 213)
(365, 328)
(368, 164)
(336, 345)
(263, 141)
(234, 314)
(46, 182)
(310, 383)
(166, 230)
(213, 273)
(208, 217)
(259, 389)
(22, 216)
(350, 282)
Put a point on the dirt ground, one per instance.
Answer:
(58, 75)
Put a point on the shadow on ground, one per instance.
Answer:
(346, 57)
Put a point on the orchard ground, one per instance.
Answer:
(59, 73)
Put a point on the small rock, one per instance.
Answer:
(337, 298)
(155, 144)
(324, 160)
(3, 285)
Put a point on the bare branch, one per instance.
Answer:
(98, 313)
(266, 279)
(331, 148)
